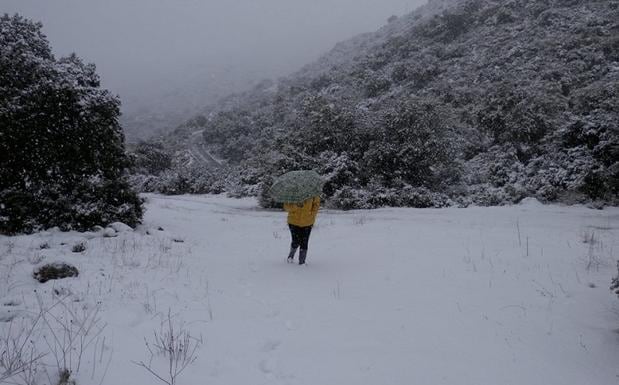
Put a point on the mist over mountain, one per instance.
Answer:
(168, 59)
(481, 101)
(159, 108)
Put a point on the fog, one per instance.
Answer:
(144, 48)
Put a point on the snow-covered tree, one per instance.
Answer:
(62, 156)
(413, 147)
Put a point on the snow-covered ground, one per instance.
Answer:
(479, 296)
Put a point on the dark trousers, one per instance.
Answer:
(300, 236)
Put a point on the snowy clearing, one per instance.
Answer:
(480, 296)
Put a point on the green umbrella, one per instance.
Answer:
(296, 186)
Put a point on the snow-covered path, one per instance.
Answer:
(199, 152)
(479, 296)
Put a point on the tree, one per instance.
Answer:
(62, 155)
(413, 148)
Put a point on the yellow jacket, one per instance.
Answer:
(303, 214)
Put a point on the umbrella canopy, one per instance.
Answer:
(296, 186)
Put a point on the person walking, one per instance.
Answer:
(301, 218)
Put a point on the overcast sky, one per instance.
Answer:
(142, 44)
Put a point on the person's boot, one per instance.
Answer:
(291, 254)
(302, 255)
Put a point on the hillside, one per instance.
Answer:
(483, 102)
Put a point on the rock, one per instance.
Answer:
(79, 247)
(56, 270)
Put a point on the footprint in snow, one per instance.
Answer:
(8, 315)
(9, 310)
(272, 313)
(271, 345)
(268, 365)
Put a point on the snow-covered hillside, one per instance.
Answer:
(484, 296)
(481, 102)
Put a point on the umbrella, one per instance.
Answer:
(296, 186)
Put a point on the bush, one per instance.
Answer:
(264, 198)
(414, 147)
(79, 247)
(615, 282)
(514, 115)
(57, 270)
(348, 198)
(376, 196)
(376, 84)
(150, 158)
(62, 155)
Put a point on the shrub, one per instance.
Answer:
(58, 270)
(264, 198)
(176, 346)
(615, 282)
(348, 198)
(150, 158)
(376, 84)
(79, 247)
(414, 147)
(514, 115)
(376, 196)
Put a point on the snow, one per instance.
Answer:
(108, 232)
(531, 202)
(120, 227)
(500, 295)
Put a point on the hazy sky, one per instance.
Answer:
(144, 47)
(133, 41)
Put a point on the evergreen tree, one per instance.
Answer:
(62, 156)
